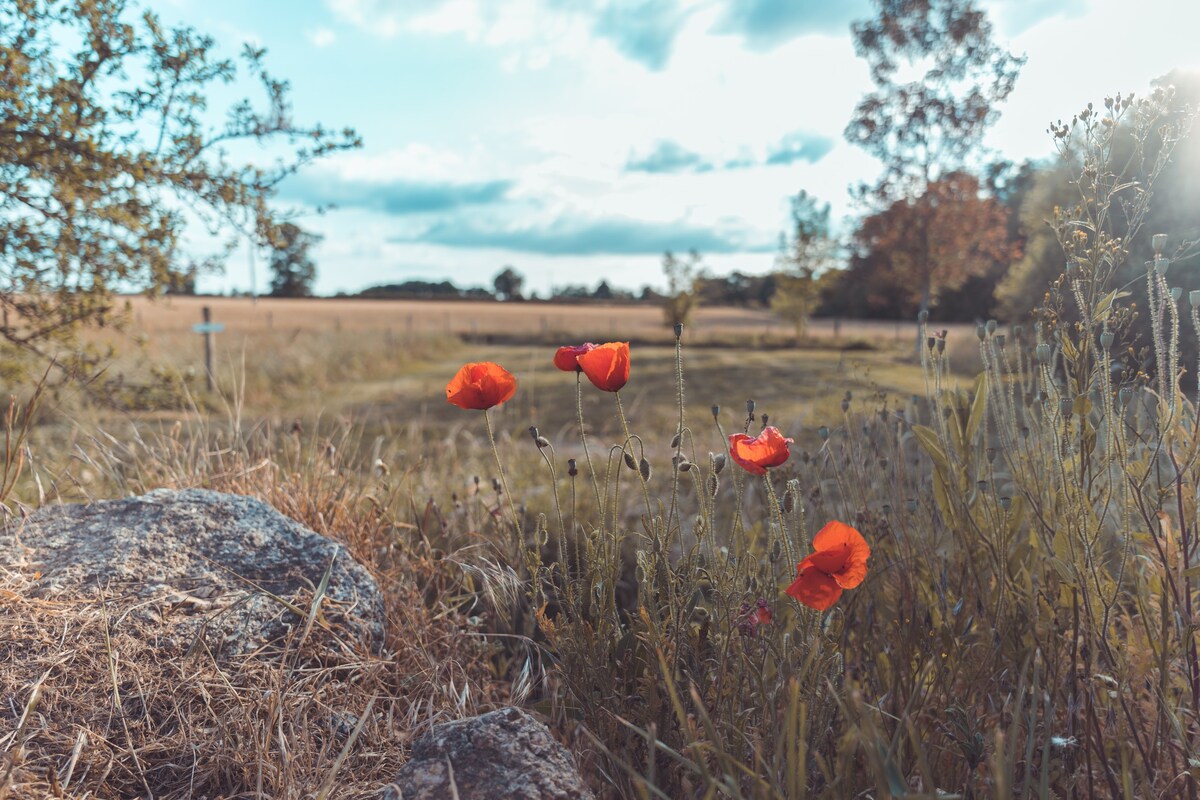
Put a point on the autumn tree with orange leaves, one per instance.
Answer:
(912, 249)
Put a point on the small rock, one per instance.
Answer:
(196, 565)
(502, 755)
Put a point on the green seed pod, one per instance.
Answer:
(1106, 340)
(1158, 241)
(991, 326)
(922, 317)
(1006, 502)
(1001, 339)
(1043, 353)
(980, 332)
(823, 432)
(1176, 293)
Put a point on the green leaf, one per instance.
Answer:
(978, 408)
(928, 441)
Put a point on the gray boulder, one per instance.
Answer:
(197, 567)
(502, 755)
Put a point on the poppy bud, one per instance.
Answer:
(930, 342)
(941, 346)
(750, 407)
(1006, 502)
(675, 440)
(572, 469)
(1159, 241)
(533, 432)
(716, 410)
(496, 485)
(1024, 432)
(1106, 340)
(713, 486)
(685, 465)
(678, 329)
(542, 442)
(922, 317)
(718, 463)
(765, 418)
(629, 461)
(789, 501)
(991, 326)
(980, 332)
(644, 469)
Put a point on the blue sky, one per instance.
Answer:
(576, 140)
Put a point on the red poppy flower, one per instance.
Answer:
(768, 449)
(762, 615)
(607, 366)
(566, 357)
(481, 386)
(840, 562)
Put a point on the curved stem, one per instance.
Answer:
(629, 443)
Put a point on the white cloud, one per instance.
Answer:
(321, 37)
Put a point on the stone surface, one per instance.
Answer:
(196, 566)
(502, 755)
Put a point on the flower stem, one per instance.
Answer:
(583, 436)
(629, 442)
(503, 479)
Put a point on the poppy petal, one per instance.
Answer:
(757, 454)
(606, 366)
(481, 386)
(815, 589)
(566, 358)
(851, 547)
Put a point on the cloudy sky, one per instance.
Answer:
(578, 139)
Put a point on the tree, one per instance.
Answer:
(682, 297)
(508, 284)
(946, 235)
(107, 153)
(293, 272)
(809, 253)
(926, 129)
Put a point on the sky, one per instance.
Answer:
(578, 139)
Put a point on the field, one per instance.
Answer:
(632, 590)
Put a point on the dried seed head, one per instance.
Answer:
(1159, 241)
(572, 467)
(1106, 340)
(823, 432)
(644, 469)
(980, 332)
(630, 461)
(1043, 353)
(678, 329)
(991, 326)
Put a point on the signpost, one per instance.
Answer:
(208, 328)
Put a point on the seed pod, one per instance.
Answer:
(930, 342)
(980, 332)
(678, 329)
(941, 346)
(1159, 241)
(887, 508)
(981, 485)
(675, 440)
(776, 551)
(765, 419)
(1065, 407)
(1176, 293)
(716, 410)
(991, 326)
(1161, 265)
(685, 465)
(1006, 502)
(572, 469)
(1001, 339)
(1194, 297)
(629, 461)
(533, 432)
(1124, 396)
(718, 463)
(713, 486)
(1043, 353)
(1106, 340)
(823, 432)
(922, 317)
(644, 469)
(496, 487)
(749, 406)
(789, 502)
(911, 506)
(845, 406)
